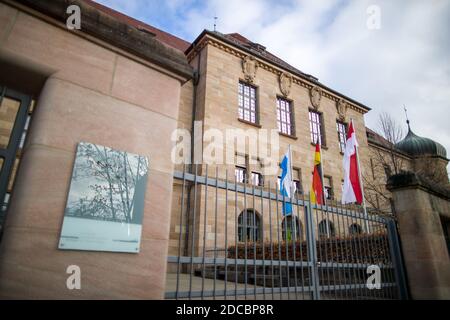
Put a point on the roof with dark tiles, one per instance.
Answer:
(375, 138)
(235, 38)
(260, 51)
(160, 35)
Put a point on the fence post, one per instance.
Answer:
(397, 259)
(312, 253)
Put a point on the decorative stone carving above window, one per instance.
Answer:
(285, 84)
(342, 106)
(316, 96)
(249, 68)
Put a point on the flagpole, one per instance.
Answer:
(362, 186)
(292, 181)
(323, 187)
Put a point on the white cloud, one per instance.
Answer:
(130, 7)
(406, 62)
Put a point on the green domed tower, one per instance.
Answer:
(429, 157)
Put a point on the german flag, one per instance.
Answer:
(316, 194)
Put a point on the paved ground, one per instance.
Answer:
(208, 285)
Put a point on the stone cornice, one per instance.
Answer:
(207, 38)
(411, 180)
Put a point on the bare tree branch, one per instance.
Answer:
(385, 160)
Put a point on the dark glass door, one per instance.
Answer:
(14, 119)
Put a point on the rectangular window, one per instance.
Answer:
(316, 127)
(297, 178)
(241, 174)
(298, 186)
(285, 117)
(328, 187)
(342, 135)
(257, 179)
(247, 102)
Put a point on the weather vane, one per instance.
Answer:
(406, 113)
(215, 23)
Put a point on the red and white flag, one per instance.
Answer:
(352, 191)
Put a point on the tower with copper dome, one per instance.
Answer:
(429, 157)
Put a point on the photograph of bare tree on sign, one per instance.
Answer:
(106, 200)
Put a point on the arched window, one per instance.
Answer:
(248, 226)
(355, 229)
(293, 228)
(326, 228)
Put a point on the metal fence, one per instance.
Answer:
(231, 240)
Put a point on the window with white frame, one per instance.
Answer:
(342, 135)
(328, 187)
(316, 127)
(240, 174)
(247, 103)
(285, 117)
(257, 179)
(296, 179)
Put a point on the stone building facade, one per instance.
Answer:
(226, 64)
(121, 83)
(109, 84)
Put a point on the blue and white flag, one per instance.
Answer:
(286, 184)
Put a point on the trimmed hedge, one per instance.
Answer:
(365, 248)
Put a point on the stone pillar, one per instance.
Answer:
(31, 265)
(418, 206)
(108, 84)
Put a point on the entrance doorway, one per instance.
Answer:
(15, 115)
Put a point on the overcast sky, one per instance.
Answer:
(404, 62)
